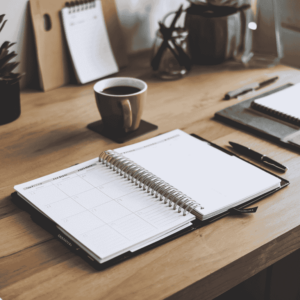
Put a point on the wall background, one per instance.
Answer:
(139, 21)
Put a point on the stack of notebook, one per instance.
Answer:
(139, 196)
(284, 105)
(273, 115)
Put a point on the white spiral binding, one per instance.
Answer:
(148, 181)
(76, 6)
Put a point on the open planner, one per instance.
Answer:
(136, 197)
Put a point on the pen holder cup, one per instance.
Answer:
(170, 67)
(216, 33)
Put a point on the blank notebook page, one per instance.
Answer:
(213, 178)
(286, 101)
(88, 41)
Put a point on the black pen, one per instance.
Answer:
(258, 156)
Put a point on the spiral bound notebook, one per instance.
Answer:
(129, 199)
(284, 105)
(88, 41)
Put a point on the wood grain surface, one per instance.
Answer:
(51, 134)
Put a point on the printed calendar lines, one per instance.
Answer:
(82, 177)
(151, 145)
(135, 213)
(51, 180)
(82, 234)
(148, 226)
(131, 213)
(90, 209)
(140, 210)
(101, 190)
(156, 228)
(105, 223)
(120, 203)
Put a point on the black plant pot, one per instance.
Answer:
(10, 108)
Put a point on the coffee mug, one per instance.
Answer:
(120, 101)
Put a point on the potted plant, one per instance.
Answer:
(9, 82)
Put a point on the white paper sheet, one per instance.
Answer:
(286, 101)
(213, 178)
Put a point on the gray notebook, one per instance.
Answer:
(261, 121)
(283, 105)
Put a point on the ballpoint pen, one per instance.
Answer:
(249, 88)
(258, 156)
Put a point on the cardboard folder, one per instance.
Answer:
(54, 62)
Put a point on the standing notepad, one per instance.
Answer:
(88, 41)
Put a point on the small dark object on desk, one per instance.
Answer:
(258, 157)
(145, 127)
(249, 88)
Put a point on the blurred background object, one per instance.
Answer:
(263, 47)
(139, 20)
(170, 57)
(171, 65)
(222, 30)
(232, 3)
(215, 33)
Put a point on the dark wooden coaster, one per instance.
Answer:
(144, 128)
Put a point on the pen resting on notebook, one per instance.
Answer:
(258, 157)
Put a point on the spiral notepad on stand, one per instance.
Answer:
(134, 196)
(88, 41)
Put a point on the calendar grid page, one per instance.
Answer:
(88, 41)
(101, 209)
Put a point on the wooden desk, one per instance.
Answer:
(51, 134)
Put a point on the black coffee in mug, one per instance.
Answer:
(120, 101)
(121, 90)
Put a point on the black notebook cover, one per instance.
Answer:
(51, 227)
